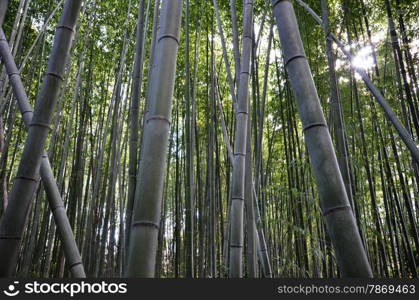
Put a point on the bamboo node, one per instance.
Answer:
(62, 26)
(26, 111)
(157, 117)
(26, 178)
(39, 124)
(242, 112)
(146, 223)
(334, 209)
(294, 57)
(236, 246)
(237, 198)
(311, 125)
(75, 264)
(277, 2)
(55, 75)
(240, 154)
(170, 36)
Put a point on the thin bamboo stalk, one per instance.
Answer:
(238, 179)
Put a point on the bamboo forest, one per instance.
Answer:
(209, 138)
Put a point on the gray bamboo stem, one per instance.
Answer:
(336, 111)
(149, 191)
(334, 202)
(12, 223)
(238, 178)
(3, 10)
(137, 75)
(53, 194)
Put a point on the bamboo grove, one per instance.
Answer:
(209, 138)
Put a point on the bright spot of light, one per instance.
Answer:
(363, 59)
(278, 127)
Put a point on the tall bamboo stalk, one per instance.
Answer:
(336, 109)
(190, 180)
(334, 202)
(149, 191)
(137, 77)
(238, 179)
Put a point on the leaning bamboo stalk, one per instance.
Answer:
(334, 202)
(12, 223)
(238, 179)
(403, 133)
(54, 198)
(149, 191)
(17, 24)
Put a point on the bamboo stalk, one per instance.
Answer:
(149, 190)
(238, 178)
(334, 202)
(3, 10)
(12, 223)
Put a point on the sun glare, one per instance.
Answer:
(363, 59)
